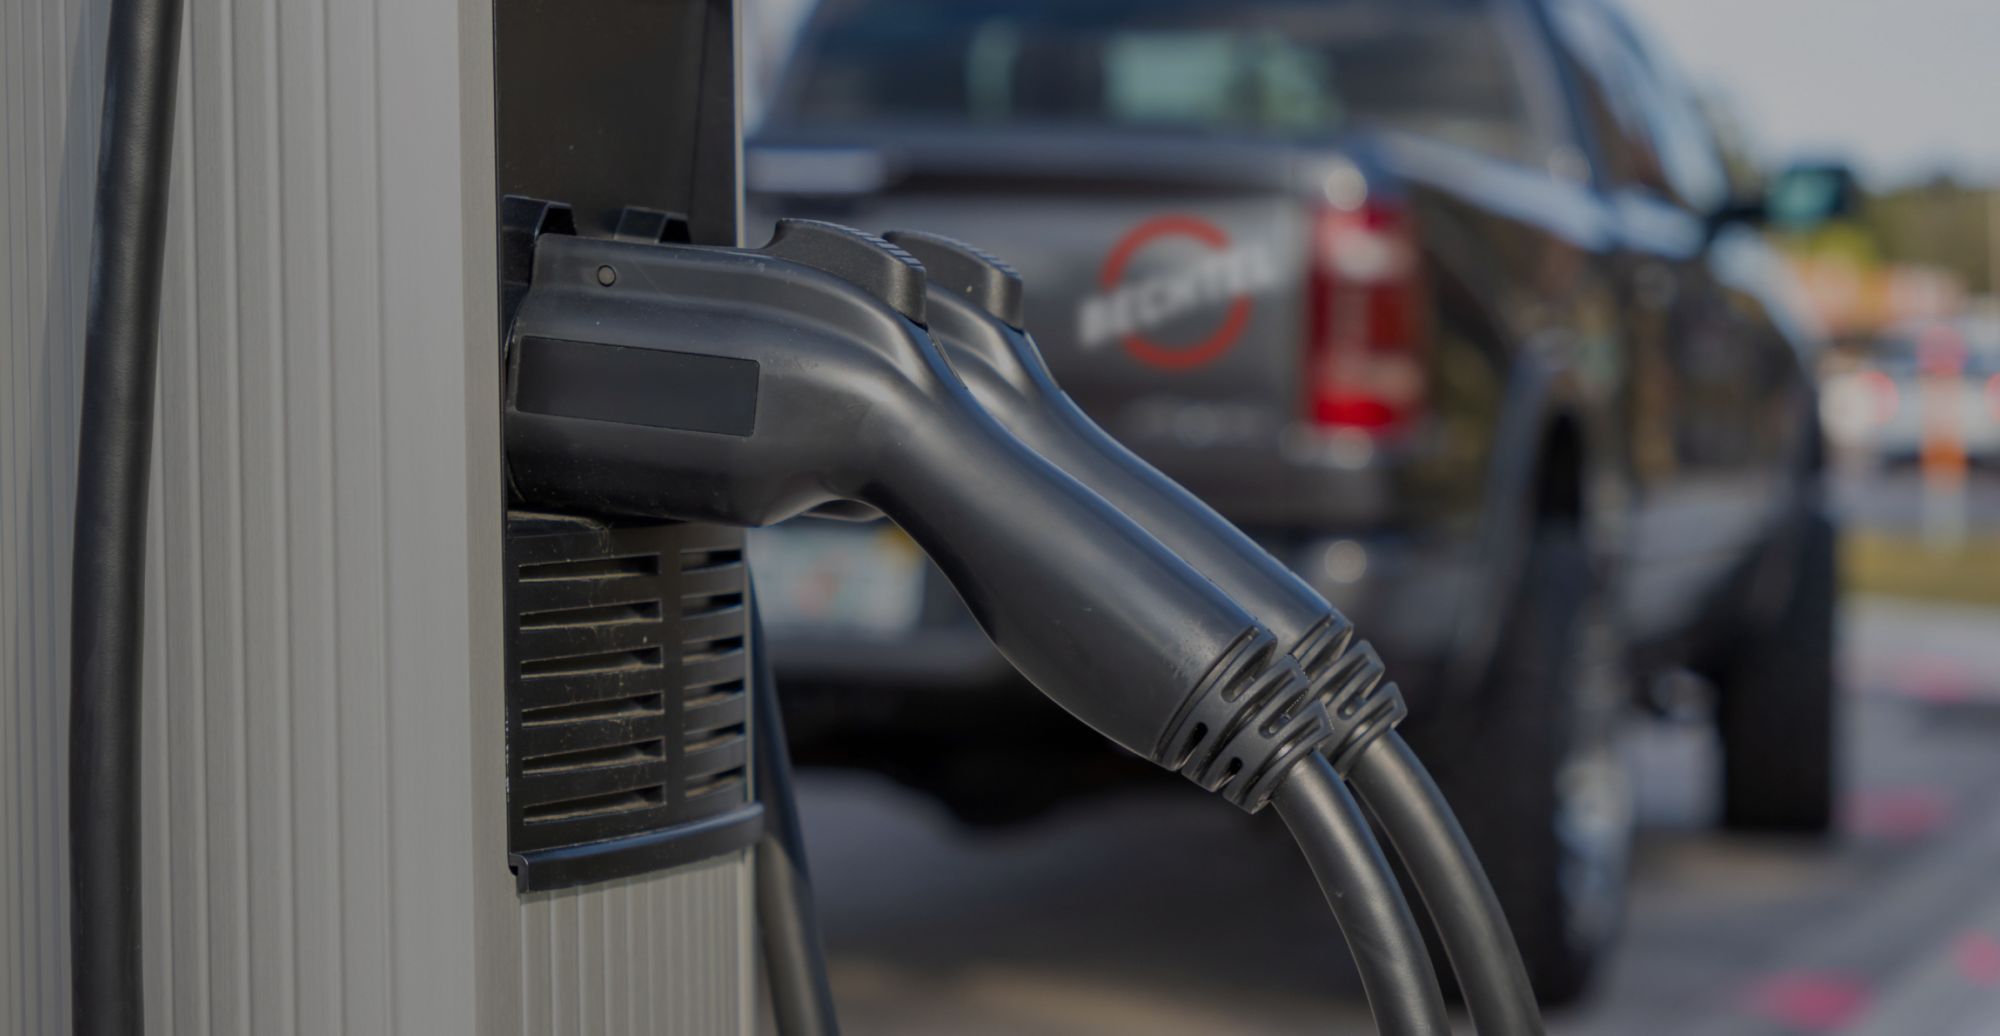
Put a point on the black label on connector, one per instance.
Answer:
(628, 385)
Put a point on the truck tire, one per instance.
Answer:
(1539, 781)
(1776, 704)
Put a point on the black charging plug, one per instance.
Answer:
(748, 386)
(976, 315)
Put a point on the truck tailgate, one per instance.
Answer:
(1168, 300)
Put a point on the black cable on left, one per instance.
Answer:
(1394, 786)
(107, 605)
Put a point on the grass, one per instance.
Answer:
(1904, 566)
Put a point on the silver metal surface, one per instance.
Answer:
(663, 953)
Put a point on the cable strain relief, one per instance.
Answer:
(1359, 705)
(1320, 647)
(1245, 730)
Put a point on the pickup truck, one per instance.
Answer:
(1452, 304)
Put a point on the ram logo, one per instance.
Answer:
(1216, 275)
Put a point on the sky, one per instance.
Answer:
(1902, 88)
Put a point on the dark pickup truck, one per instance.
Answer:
(1453, 304)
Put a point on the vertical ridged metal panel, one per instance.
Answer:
(47, 54)
(661, 954)
(323, 779)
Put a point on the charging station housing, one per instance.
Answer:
(330, 844)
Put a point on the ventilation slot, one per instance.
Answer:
(715, 695)
(592, 665)
(595, 806)
(595, 711)
(716, 785)
(702, 741)
(595, 758)
(702, 606)
(603, 615)
(595, 568)
(716, 759)
(706, 559)
(708, 649)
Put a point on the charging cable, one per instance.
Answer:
(976, 314)
(108, 566)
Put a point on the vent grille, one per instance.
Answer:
(714, 667)
(593, 718)
(627, 710)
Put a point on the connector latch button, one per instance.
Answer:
(862, 259)
(966, 271)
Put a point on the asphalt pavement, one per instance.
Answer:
(1171, 914)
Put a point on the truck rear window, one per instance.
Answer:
(1444, 68)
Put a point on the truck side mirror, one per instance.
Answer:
(1808, 195)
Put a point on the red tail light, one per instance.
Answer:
(1364, 320)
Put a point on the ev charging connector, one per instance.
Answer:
(748, 386)
(976, 317)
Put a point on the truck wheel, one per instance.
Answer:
(1775, 710)
(1539, 781)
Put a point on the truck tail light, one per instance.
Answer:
(1364, 320)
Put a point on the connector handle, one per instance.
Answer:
(1095, 611)
(1006, 374)
(973, 312)
(1083, 602)
(751, 386)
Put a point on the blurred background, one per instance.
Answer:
(1628, 370)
